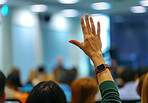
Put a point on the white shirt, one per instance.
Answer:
(128, 92)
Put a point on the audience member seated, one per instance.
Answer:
(128, 91)
(40, 76)
(142, 88)
(2, 87)
(46, 92)
(65, 78)
(84, 90)
(12, 88)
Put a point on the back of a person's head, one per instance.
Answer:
(13, 80)
(66, 76)
(84, 90)
(46, 92)
(15, 70)
(127, 75)
(2, 83)
(142, 88)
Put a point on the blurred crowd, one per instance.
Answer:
(128, 81)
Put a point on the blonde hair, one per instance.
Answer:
(142, 88)
(84, 90)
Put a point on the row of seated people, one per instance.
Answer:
(65, 89)
(75, 89)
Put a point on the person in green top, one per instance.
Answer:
(91, 46)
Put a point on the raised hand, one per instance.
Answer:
(92, 43)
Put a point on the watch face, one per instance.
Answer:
(101, 67)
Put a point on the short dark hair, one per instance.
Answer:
(13, 80)
(2, 83)
(46, 92)
(128, 75)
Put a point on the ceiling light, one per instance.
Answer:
(70, 13)
(39, 8)
(3, 1)
(138, 9)
(26, 19)
(68, 1)
(144, 2)
(101, 6)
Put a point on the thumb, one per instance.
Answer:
(75, 42)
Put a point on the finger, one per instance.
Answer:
(87, 23)
(83, 26)
(92, 26)
(75, 42)
(98, 30)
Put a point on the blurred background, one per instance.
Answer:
(35, 33)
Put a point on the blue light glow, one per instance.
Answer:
(4, 10)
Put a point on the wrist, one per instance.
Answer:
(97, 59)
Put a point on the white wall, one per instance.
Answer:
(26, 41)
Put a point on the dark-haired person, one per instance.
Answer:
(128, 91)
(12, 88)
(92, 47)
(46, 92)
(2, 87)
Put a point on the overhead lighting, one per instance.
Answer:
(144, 2)
(138, 9)
(26, 19)
(68, 1)
(70, 13)
(39, 8)
(101, 6)
(3, 1)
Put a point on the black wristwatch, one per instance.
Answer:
(101, 68)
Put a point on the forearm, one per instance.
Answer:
(104, 75)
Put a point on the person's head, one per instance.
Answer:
(142, 88)
(41, 69)
(46, 92)
(84, 90)
(66, 76)
(15, 70)
(2, 85)
(13, 81)
(127, 75)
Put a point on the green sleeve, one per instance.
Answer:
(109, 92)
